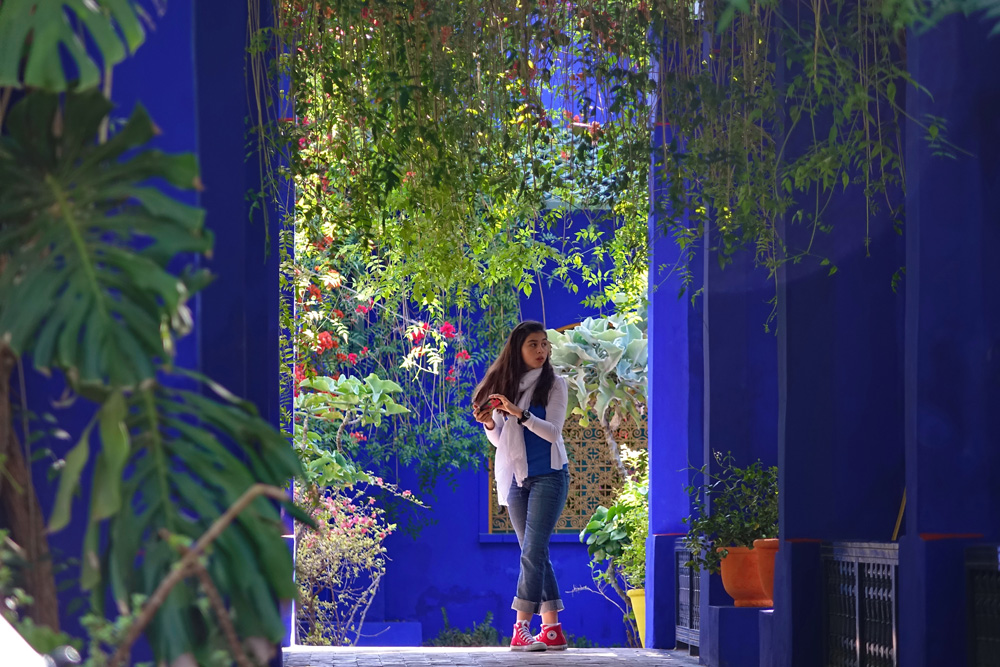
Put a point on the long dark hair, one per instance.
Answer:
(504, 374)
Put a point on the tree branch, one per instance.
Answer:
(183, 568)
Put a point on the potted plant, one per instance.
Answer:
(616, 540)
(732, 509)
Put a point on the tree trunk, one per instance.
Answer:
(22, 511)
(609, 429)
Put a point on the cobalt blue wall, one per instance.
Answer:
(952, 334)
(456, 564)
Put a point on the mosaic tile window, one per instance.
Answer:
(593, 478)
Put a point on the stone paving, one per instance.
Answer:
(422, 656)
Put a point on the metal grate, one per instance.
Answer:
(860, 604)
(687, 585)
(983, 582)
(841, 613)
(593, 477)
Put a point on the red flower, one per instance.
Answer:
(325, 341)
(315, 293)
(451, 375)
(339, 313)
(353, 358)
(362, 308)
(341, 356)
(358, 436)
(448, 330)
(463, 355)
(364, 350)
(418, 335)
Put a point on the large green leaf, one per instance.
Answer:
(86, 286)
(191, 456)
(42, 34)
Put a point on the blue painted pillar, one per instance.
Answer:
(740, 396)
(952, 334)
(840, 438)
(674, 408)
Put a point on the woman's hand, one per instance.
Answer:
(506, 406)
(483, 415)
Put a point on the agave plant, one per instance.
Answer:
(604, 361)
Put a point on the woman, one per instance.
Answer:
(522, 405)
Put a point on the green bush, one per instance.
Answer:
(480, 634)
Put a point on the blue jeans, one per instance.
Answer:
(534, 510)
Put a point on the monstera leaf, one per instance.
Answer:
(41, 33)
(171, 462)
(86, 286)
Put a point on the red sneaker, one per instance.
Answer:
(522, 639)
(552, 636)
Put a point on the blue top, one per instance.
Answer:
(537, 448)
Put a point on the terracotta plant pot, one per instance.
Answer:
(741, 579)
(766, 550)
(638, 597)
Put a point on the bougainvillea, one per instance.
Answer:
(338, 566)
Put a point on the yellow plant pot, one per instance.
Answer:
(638, 597)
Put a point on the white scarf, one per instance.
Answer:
(512, 458)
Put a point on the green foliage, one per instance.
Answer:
(617, 535)
(89, 288)
(42, 32)
(86, 287)
(732, 507)
(455, 172)
(430, 354)
(616, 541)
(12, 563)
(480, 634)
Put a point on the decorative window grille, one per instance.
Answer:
(861, 604)
(983, 592)
(688, 587)
(593, 478)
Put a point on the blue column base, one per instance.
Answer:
(734, 639)
(766, 620)
(932, 602)
(391, 633)
(661, 592)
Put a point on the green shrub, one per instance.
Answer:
(480, 634)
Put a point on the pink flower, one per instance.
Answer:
(448, 330)
(362, 308)
(353, 358)
(463, 355)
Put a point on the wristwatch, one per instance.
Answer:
(525, 416)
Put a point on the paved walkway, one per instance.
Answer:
(421, 656)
